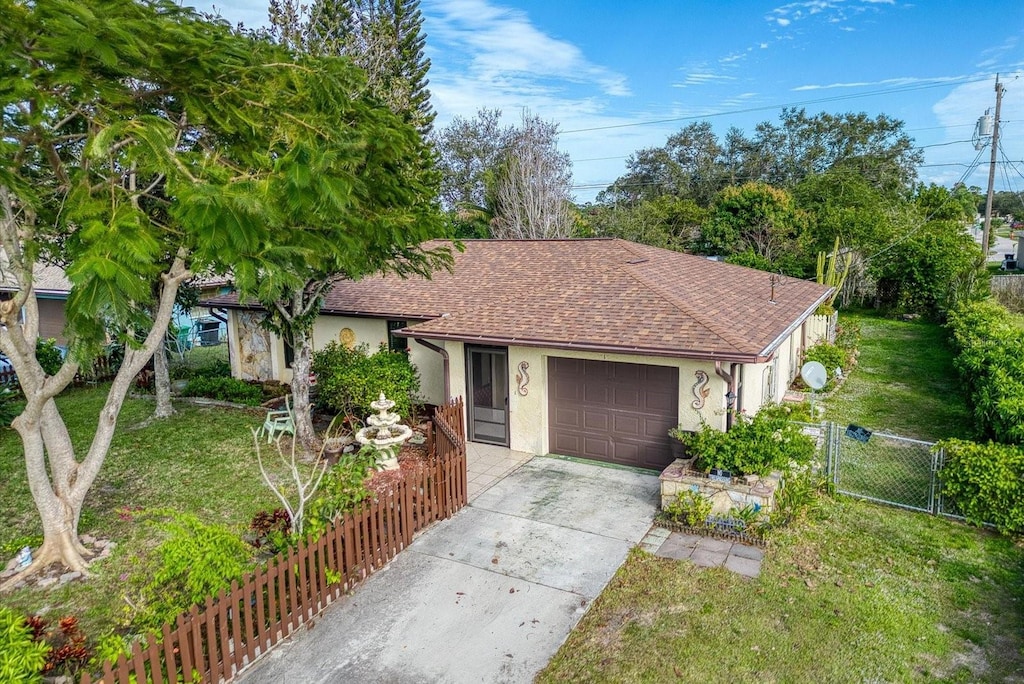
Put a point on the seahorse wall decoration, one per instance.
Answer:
(700, 390)
(523, 379)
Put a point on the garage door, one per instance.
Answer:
(614, 412)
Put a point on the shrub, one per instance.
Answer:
(225, 389)
(985, 482)
(341, 490)
(217, 368)
(10, 405)
(349, 380)
(767, 442)
(270, 530)
(49, 355)
(848, 336)
(690, 508)
(68, 654)
(22, 656)
(195, 560)
(987, 339)
(830, 356)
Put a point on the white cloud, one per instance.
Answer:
(905, 80)
(502, 44)
(957, 113)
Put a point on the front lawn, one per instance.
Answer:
(860, 593)
(200, 461)
(904, 382)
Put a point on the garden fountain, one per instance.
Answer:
(384, 433)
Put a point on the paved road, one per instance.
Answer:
(487, 596)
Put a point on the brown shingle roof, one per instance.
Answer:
(602, 294)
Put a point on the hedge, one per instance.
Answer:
(988, 340)
(985, 482)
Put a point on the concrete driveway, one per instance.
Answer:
(487, 596)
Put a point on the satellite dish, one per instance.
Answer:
(814, 375)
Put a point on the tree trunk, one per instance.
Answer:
(59, 481)
(162, 383)
(301, 365)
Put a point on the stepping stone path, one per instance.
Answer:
(708, 552)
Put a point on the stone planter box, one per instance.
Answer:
(737, 493)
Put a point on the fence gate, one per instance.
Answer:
(880, 467)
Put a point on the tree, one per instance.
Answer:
(690, 165)
(667, 222)
(393, 183)
(534, 180)
(383, 37)
(935, 264)
(693, 164)
(142, 144)
(469, 152)
(759, 225)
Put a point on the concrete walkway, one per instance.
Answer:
(487, 596)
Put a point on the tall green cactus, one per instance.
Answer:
(829, 274)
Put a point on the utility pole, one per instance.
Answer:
(991, 173)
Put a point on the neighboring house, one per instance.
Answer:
(51, 289)
(590, 348)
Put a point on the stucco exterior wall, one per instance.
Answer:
(528, 413)
(258, 355)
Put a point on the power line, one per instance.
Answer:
(747, 110)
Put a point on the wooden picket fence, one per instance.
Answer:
(103, 370)
(213, 642)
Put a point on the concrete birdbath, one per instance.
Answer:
(384, 433)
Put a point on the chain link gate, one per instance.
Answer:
(885, 468)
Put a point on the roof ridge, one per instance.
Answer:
(724, 333)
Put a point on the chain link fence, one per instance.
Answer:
(877, 466)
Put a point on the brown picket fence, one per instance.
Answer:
(213, 642)
(103, 369)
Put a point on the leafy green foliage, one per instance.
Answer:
(831, 356)
(689, 508)
(49, 356)
(759, 221)
(342, 489)
(349, 380)
(988, 340)
(986, 482)
(767, 442)
(848, 335)
(22, 657)
(195, 560)
(224, 389)
(936, 264)
(10, 405)
(667, 221)
(212, 368)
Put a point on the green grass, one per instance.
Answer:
(860, 593)
(200, 461)
(904, 382)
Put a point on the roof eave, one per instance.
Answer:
(734, 357)
(768, 351)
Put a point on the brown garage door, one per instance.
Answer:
(615, 412)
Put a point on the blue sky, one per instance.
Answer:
(618, 66)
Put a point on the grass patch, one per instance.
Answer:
(199, 461)
(861, 593)
(904, 382)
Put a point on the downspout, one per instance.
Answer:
(731, 398)
(447, 365)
